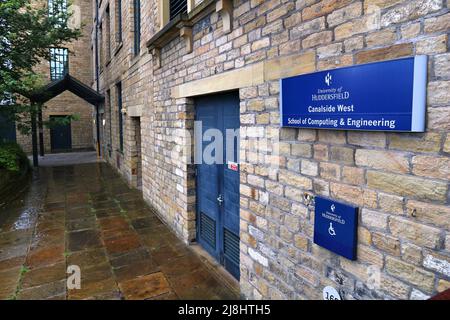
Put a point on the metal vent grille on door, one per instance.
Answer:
(231, 246)
(208, 230)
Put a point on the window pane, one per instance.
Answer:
(119, 20)
(59, 63)
(119, 107)
(137, 26)
(108, 34)
(56, 7)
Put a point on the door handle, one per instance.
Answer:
(220, 199)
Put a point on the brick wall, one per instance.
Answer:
(134, 74)
(399, 180)
(80, 67)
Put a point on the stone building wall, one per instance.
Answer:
(134, 73)
(399, 180)
(80, 67)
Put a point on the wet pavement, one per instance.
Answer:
(85, 215)
(66, 159)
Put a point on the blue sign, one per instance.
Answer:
(335, 227)
(380, 96)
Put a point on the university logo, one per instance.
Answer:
(328, 79)
(333, 207)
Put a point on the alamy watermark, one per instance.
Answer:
(246, 145)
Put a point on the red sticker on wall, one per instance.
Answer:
(233, 166)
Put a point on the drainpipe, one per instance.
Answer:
(97, 116)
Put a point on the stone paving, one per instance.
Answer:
(66, 159)
(85, 215)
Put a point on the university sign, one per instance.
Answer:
(380, 96)
(335, 227)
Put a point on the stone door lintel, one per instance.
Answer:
(252, 75)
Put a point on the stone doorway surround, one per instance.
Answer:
(132, 154)
(238, 79)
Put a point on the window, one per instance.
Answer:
(108, 34)
(56, 8)
(191, 4)
(137, 26)
(119, 107)
(177, 7)
(118, 17)
(93, 66)
(59, 63)
(100, 47)
(108, 101)
(169, 9)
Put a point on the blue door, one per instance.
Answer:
(218, 181)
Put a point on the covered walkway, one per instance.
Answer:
(50, 91)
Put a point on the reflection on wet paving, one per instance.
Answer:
(85, 215)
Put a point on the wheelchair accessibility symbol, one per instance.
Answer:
(331, 229)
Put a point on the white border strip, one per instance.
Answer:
(281, 103)
(419, 94)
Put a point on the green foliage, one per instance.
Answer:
(23, 270)
(61, 121)
(12, 157)
(27, 32)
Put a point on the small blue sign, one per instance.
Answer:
(380, 96)
(335, 227)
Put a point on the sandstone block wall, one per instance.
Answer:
(134, 73)
(400, 181)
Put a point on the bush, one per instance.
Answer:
(12, 157)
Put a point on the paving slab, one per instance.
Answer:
(85, 215)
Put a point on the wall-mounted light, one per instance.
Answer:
(104, 122)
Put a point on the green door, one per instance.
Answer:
(61, 136)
